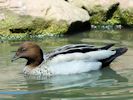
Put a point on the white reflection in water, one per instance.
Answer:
(103, 78)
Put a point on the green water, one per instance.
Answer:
(114, 83)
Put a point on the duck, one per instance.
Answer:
(66, 60)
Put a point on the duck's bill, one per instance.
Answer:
(15, 58)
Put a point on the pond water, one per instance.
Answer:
(114, 83)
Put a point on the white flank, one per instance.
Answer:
(74, 67)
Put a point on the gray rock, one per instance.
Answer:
(56, 10)
(105, 4)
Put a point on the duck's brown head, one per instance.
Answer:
(30, 51)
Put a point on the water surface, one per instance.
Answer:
(114, 83)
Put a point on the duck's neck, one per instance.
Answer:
(32, 63)
(35, 61)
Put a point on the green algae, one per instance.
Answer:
(120, 17)
(14, 23)
(49, 27)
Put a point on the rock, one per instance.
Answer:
(49, 12)
(2, 16)
(104, 4)
(107, 11)
(3, 3)
(61, 16)
(57, 10)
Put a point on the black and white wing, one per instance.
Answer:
(72, 48)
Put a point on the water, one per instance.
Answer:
(114, 83)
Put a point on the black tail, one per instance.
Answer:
(107, 46)
(119, 52)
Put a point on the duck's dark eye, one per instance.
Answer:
(23, 49)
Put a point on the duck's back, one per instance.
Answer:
(76, 48)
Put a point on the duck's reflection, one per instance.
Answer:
(103, 77)
(42, 88)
